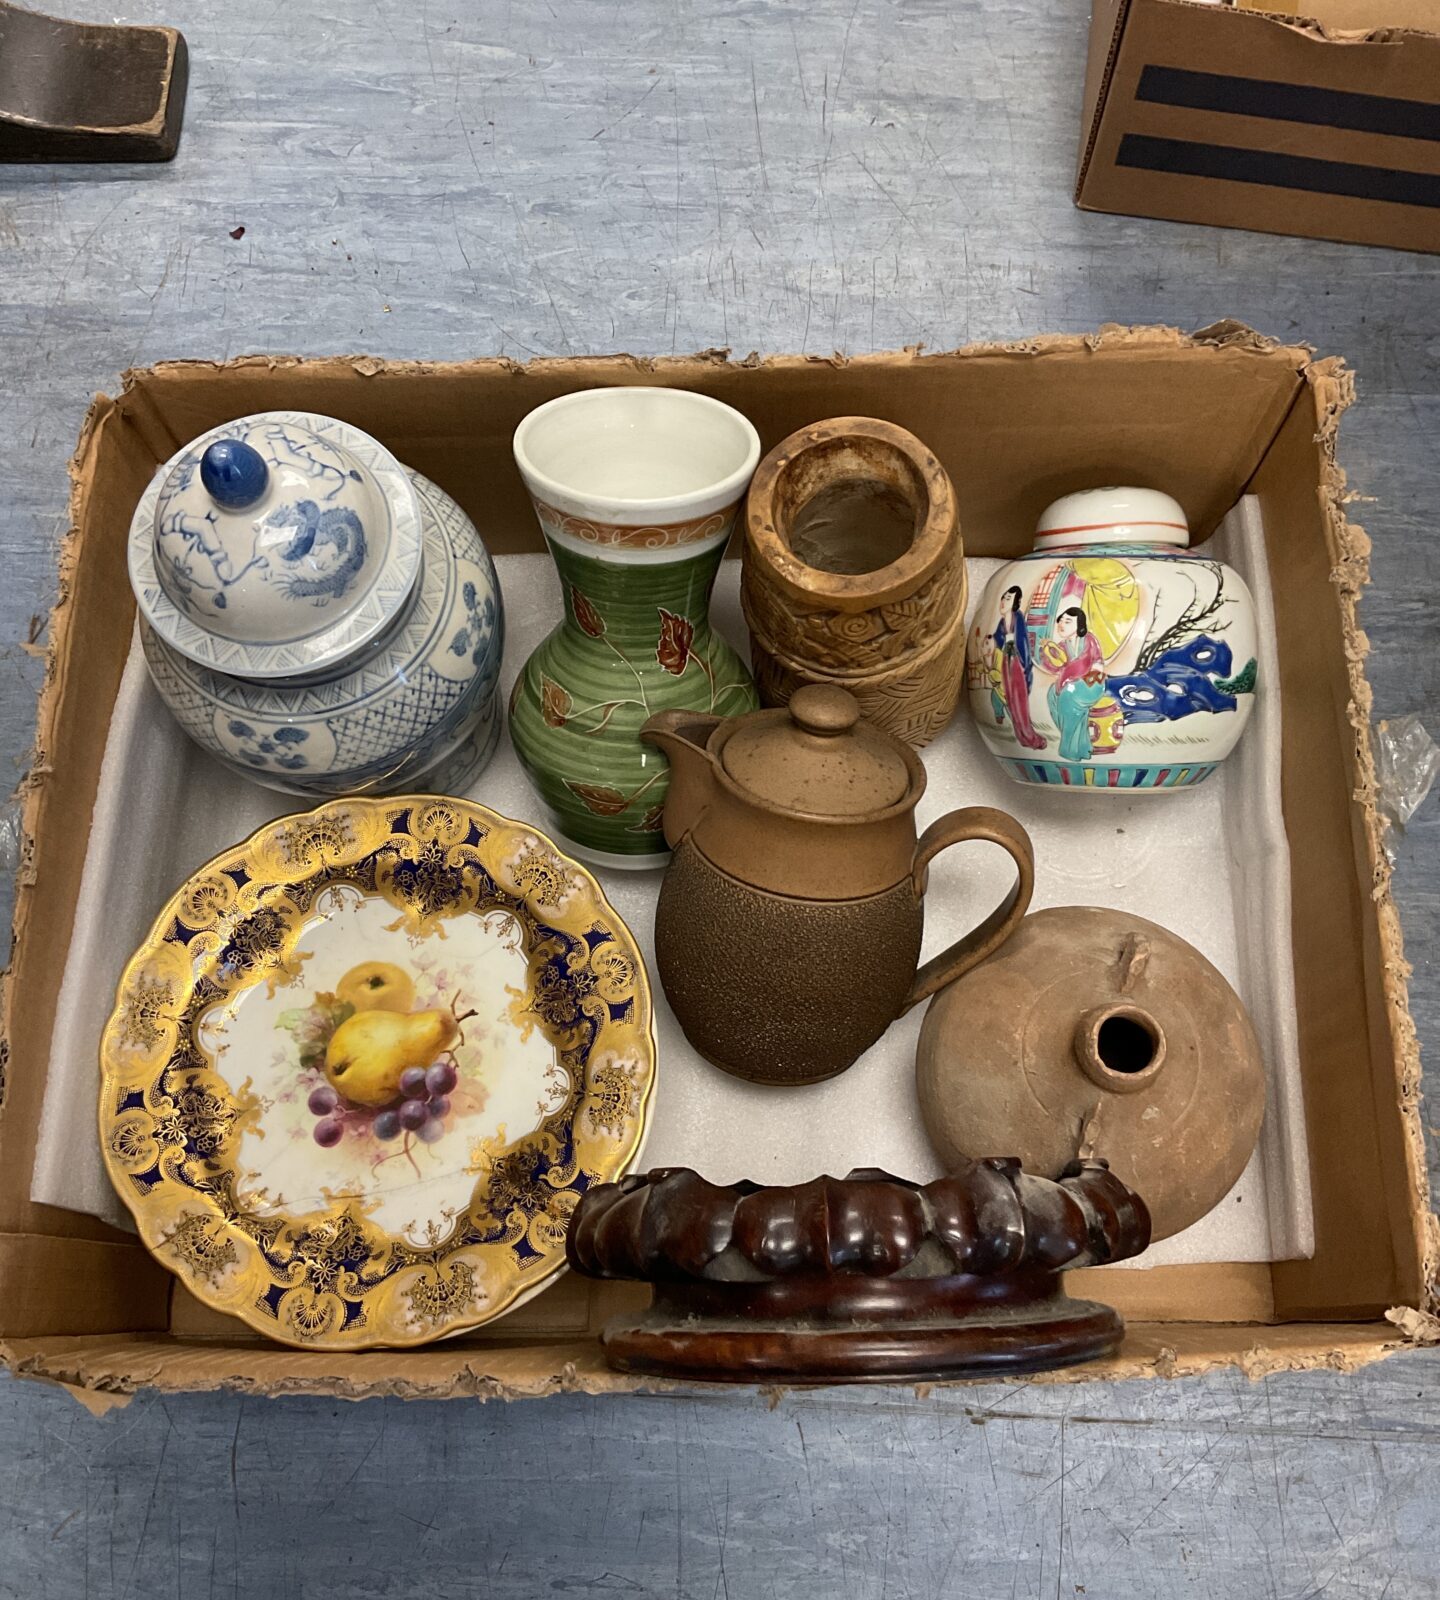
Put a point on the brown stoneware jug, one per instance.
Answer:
(789, 923)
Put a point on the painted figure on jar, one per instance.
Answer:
(1016, 667)
(1074, 656)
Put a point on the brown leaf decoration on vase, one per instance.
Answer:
(555, 702)
(651, 821)
(586, 615)
(673, 651)
(599, 798)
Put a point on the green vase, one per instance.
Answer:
(636, 639)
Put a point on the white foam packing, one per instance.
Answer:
(1210, 863)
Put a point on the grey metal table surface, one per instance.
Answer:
(415, 178)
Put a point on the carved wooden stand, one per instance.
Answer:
(868, 1278)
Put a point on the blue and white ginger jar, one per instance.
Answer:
(316, 615)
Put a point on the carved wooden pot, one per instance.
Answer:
(864, 1278)
(1095, 1032)
(854, 574)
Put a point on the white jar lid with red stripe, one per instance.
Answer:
(1112, 516)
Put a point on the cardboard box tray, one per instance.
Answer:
(1323, 120)
(1208, 417)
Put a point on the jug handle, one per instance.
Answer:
(955, 827)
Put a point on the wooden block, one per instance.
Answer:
(80, 91)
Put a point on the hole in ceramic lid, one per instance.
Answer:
(1120, 1047)
(1125, 1044)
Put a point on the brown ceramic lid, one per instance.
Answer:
(819, 756)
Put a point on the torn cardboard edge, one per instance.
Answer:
(1324, 385)
(1227, 333)
(1332, 387)
(90, 1369)
(1323, 20)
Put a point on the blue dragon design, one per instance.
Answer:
(331, 542)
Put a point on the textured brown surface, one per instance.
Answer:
(779, 990)
(1007, 1060)
(781, 933)
(913, 698)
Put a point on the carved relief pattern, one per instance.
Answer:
(854, 641)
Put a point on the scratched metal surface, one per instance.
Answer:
(423, 179)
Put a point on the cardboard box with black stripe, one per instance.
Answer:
(1325, 124)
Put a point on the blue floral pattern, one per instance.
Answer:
(256, 594)
(277, 747)
(474, 638)
(430, 695)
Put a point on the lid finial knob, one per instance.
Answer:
(824, 709)
(234, 474)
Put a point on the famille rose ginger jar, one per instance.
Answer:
(316, 615)
(1111, 657)
(636, 491)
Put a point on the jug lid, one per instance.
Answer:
(275, 545)
(819, 756)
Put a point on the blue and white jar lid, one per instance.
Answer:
(275, 545)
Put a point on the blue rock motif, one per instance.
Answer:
(1177, 683)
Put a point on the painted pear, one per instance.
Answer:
(369, 1051)
(377, 986)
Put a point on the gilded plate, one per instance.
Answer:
(366, 1063)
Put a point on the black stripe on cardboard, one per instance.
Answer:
(1290, 102)
(1192, 160)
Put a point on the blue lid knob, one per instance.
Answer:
(234, 474)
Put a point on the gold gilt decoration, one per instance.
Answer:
(201, 1143)
(203, 1247)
